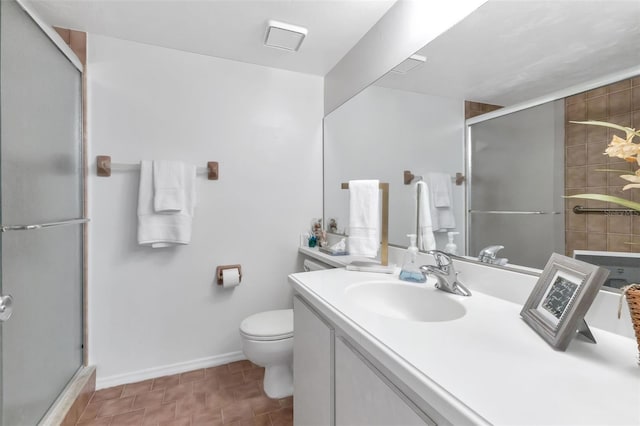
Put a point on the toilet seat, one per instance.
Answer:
(269, 325)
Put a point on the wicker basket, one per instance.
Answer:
(632, 294)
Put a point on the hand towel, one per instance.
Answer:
(440, 185)
(364, 217)
(426, 239)
(168, 186)
(441, 217)
(164, 229)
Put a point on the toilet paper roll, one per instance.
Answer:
(230, 277)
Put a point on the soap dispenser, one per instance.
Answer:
(451, 247)
(410, 269)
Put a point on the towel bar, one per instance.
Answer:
(409, 177)
(105, 166)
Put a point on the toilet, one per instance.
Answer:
(267, 340)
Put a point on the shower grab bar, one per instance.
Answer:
(509, 212)
(610, 211)
(5, 228)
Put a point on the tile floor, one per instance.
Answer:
(230, 394)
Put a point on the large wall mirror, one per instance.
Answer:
(579, 56)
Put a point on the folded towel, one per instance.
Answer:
(164, 229)
(426, 240)
(440, 185)
(441, 217)
(168, 186)
(364, 217)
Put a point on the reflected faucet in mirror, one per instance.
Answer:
(445, 274)
(489, 255)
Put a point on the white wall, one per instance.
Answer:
(382, 132)
(153, 311)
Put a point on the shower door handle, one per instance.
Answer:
(5, 228)
(6, 307)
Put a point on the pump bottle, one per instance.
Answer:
(451, 247)
(410, 269)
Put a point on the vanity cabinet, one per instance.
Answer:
(364, 396)
(335, 384)
(312, 367)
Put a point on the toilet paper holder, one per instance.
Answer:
(221, 268)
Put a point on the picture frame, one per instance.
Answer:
(560, 299)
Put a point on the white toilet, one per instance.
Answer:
(267, 340)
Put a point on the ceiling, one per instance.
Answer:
(231, 29)
(508, 52)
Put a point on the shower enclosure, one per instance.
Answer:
(516, 181)
(41, 210)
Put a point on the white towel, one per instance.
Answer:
(441, 217)
(426, 240)
(364, 217)
(168, 186)
(440, 185)
(164, 229)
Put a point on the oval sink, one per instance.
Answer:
(405, 301)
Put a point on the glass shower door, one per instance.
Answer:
(516, 184)
(41, 183)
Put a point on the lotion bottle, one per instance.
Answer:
(451, 247)
(410, 269)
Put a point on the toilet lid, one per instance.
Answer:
(269, 325)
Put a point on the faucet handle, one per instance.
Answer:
(488, 254)
(442, 258)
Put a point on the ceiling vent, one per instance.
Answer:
(408, 64)
(284, 36)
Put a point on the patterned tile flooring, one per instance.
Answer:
(230, 394)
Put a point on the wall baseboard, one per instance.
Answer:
(165, 370)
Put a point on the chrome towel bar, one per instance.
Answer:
(5, 228)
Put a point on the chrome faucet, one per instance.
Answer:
(446, 276)
(489, 255)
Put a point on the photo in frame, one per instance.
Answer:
(562, 296)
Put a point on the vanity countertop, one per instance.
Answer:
(487, 366)
(335, 261)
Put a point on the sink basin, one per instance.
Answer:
(405, 301)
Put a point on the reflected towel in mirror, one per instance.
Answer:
(364, 217)
(441, 192)
(426, 240)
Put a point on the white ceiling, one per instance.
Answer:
(232, 29)
(508, 52)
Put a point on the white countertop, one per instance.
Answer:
(487, 366)
(335, 261)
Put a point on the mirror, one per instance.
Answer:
(508, 54)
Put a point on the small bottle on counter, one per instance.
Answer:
(410, 269)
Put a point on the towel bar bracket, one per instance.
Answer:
(212, 170)
(103, 163)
